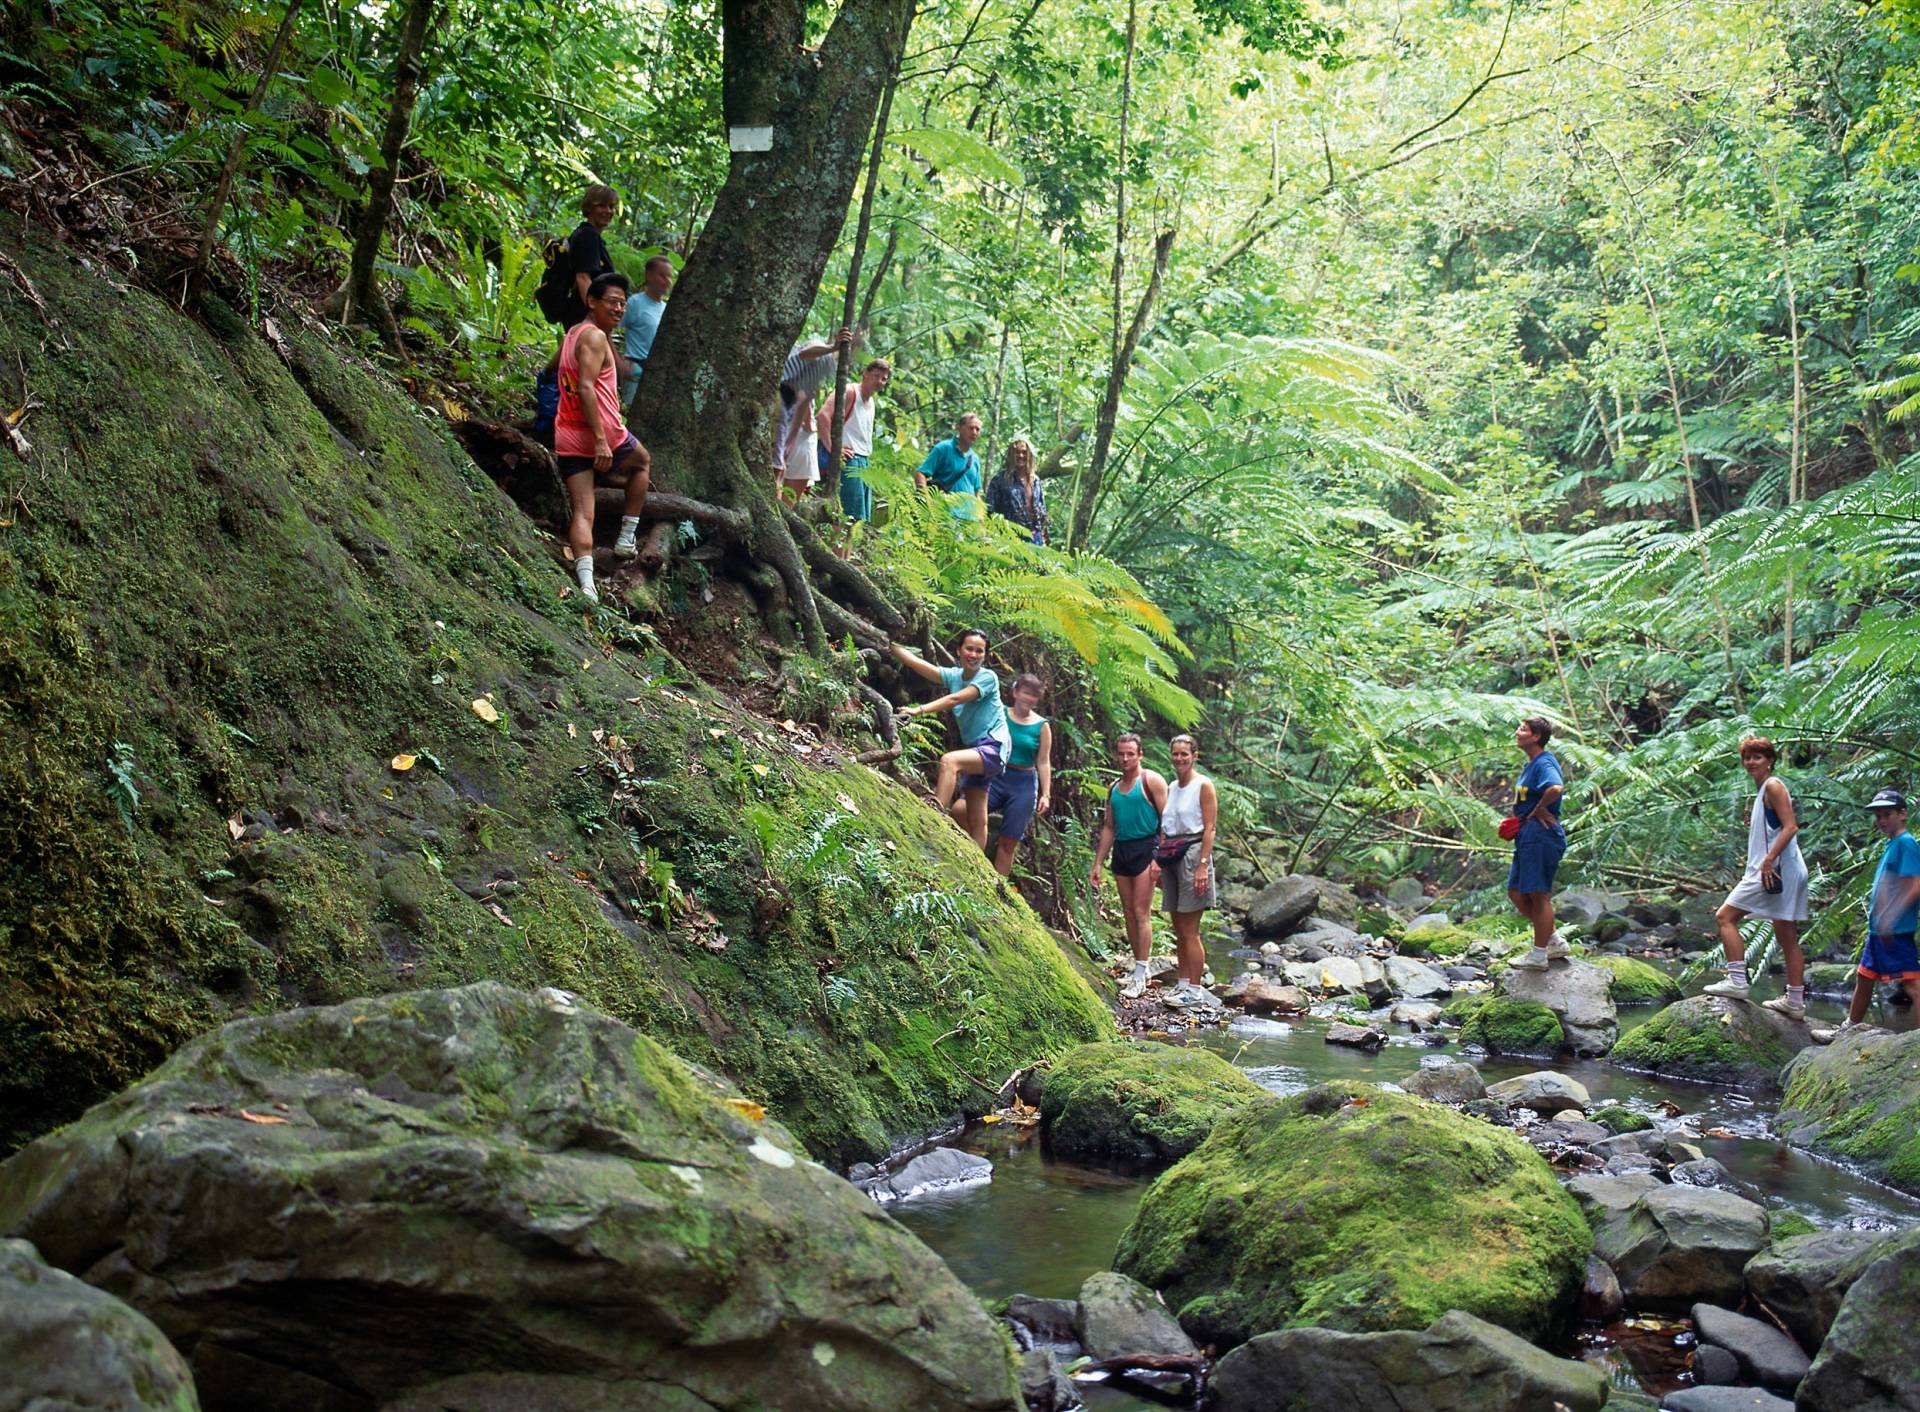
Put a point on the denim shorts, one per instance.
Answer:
(1536, 857)
(1016, 794)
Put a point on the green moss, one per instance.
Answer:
(1637, 983)
(1354, 1208)
(265, 581)
(1859, 1099)
(1616, 1119)
(1784, 1225)
(1436, 941)
(1500, 1024)
(1140, 1101)
(1708, 1040)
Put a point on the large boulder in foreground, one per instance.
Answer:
(1859, 1099)
(1355, 1208)
(1580, 997)
(487, 1198)
(1803, 1279)
(1138, 1101)
(65, 1344)
(1676, 1246)
(1711, 1039)
(1869, 1360)
(1460, 1364)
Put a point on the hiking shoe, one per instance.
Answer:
(1180, 996)
(1135, 987)
(1534, 960)
(625, 547)
(1780, 1005)
(1825, 1034)
(1729, 987)
(1557, 948)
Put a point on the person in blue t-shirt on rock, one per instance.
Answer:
(1540, 843)
(953, 466)
(1893, 909)
(973, 695)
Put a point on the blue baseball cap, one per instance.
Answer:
(1888, 799)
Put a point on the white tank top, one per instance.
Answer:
(1181, 818)
(857, 435)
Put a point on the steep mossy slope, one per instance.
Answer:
(239, 581)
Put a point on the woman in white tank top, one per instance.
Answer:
(1185, 857)
(1773, 886)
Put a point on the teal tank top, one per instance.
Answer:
(1026, 742)
(1133, 813)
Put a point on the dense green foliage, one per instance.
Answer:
(1492, 359)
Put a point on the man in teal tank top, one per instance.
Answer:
(1130, 832)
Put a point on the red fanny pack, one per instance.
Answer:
(1510, 827)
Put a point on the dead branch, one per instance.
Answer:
(19, 277)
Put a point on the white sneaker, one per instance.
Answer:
(625, 549)
(1780, 1005)
(1729, 987)
(1180, 996)
(1534, 960)
(1557, 948)
(1828, 1034)
(1136, 985)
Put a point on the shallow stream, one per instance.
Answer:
(1041, 1226)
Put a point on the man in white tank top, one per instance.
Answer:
(1186, 863)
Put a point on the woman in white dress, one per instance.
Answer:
(1774, 885)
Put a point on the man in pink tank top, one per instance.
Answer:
(588, 435)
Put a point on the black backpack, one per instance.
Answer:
(555, 295)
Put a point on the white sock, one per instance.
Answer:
(1139, 968)
(1796, 995)
(629, 526)
(583, 571)
(1737, 972)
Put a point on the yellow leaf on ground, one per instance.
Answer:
(759, 769)
(386, 792)
(261, 1117)
(747, 1109)
(403, 763)
(990, 1117)
(573, 731)
(715, 732)
(484, 709)
(846, 803)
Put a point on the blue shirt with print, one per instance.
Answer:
(1542, 772)
(1900, 861)
(984, 716)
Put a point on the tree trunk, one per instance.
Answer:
(357, 295)
(707, 405)
(236, 150)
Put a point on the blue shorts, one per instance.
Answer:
(856, 496)
(1016, 794)
(1536, 857)
(1890, 958)
(989, 749)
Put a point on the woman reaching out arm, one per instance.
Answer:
(973, 695)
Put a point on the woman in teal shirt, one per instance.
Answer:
(1025, 788)
(973, 695)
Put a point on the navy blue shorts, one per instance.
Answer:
(1890, 958)
(1536, 857)
(1016, 794)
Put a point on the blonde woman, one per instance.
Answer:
(1016, 494)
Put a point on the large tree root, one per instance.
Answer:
(884, 725)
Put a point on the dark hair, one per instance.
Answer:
(1540, 727)
(666, 260)
(1188, 739)
(612, 279)
(960, 641)
(596, 195)
(880, 363)
(1759, 745)
(1124, 737)
(1027, 681)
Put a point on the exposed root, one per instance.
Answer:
(884, 725)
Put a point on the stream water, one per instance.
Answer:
(1042, 1226)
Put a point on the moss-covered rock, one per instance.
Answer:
(1135, 1100)
(486, 1197)
(1616, 1119)
(256, 582)
(1637, 983)
(1442, 942)
(1859, 1099)
(1502, 1025)
(1353, 1208)
(1711, 1039)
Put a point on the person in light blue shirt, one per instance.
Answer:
(1893, 911)
(953, 467)
(973, 695)
(641, 322)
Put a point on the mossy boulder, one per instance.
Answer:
(1438, 941)
(489, 1197)
(1859, 1099)
(1712, 1039)
(279, 575)
(1501, 1025)
(1616, 1119)
(1637, 983)
(1354, 1208)
(66, 1345)
(1135, 1100)
(1867, 1362)
(1803, 1278)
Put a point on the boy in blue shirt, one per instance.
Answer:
(1539, 845)
(1893, 906)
